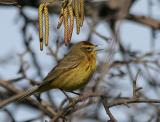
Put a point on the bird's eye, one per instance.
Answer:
(89, 49)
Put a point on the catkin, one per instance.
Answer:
(81, 12)
(70, 11)
(76, 9)
(65, 25)
(46, 19)
(40, 18)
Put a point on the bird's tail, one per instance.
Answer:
(27, 94)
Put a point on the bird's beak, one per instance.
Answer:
(98, 49)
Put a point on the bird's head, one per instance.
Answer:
(84, 47)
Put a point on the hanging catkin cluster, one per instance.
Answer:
(70, 10)
(43, 32)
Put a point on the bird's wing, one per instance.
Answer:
(68, 63)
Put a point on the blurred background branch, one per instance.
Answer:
(125, 86)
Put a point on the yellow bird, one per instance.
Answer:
(72, 72)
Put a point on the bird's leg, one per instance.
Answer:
(69, 98)
(65, 94)
(78, 94)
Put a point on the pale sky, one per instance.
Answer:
(134, 35)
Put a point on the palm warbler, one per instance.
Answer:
(72, 72)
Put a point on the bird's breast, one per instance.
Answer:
(76, 78)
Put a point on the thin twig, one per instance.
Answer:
(105, 104)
